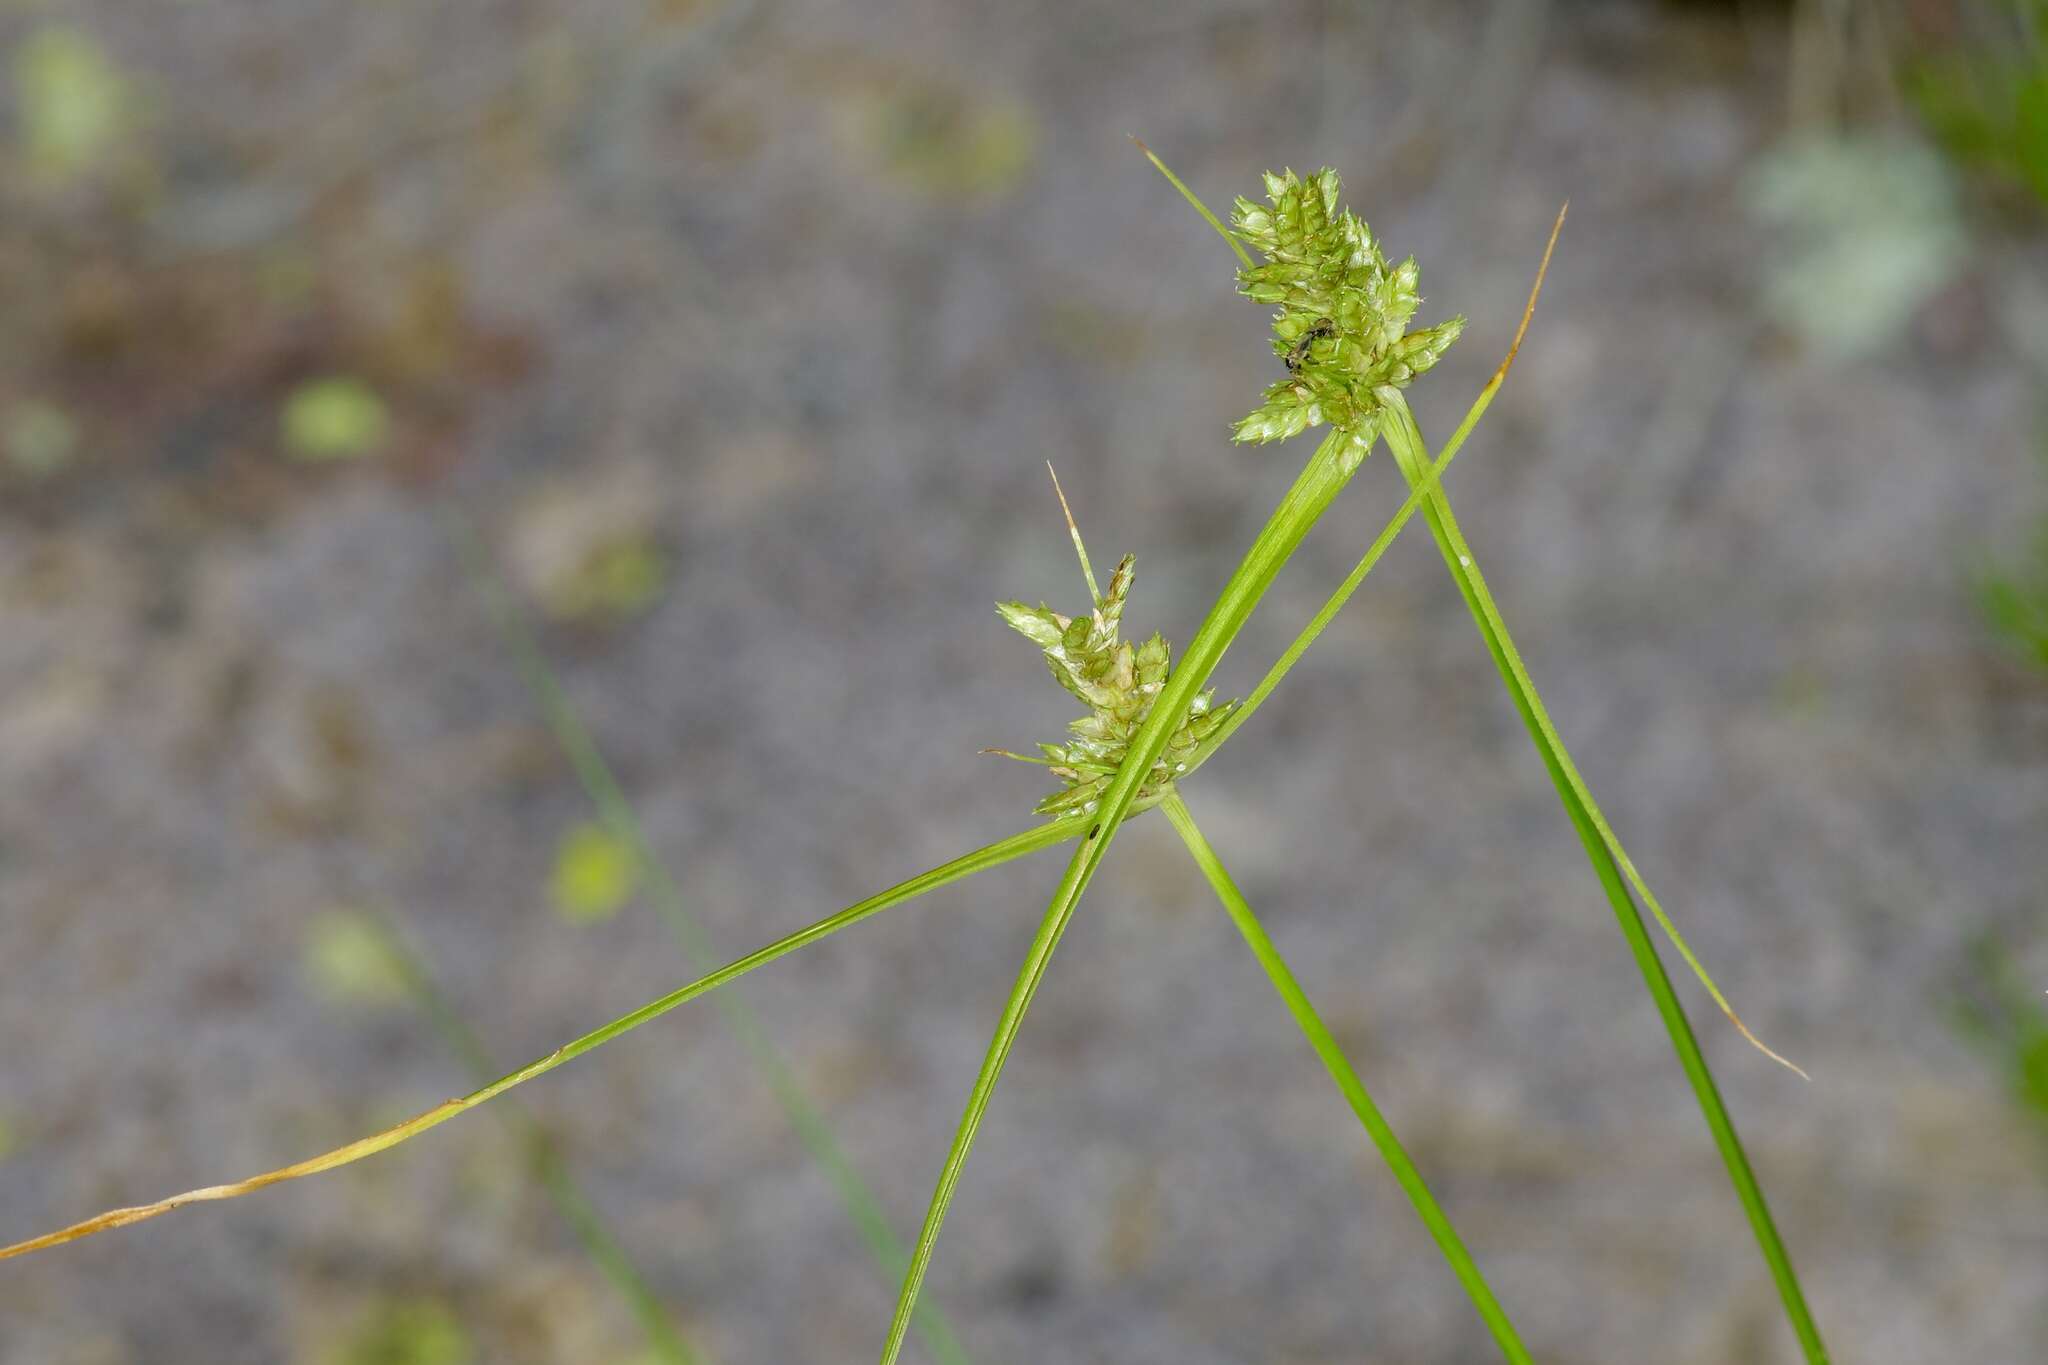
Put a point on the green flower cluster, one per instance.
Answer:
(1342, 332)
(1344, 312)
(1116, 681)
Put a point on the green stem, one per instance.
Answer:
(1016, 846)
(1339, 1067)
(1344, 591)
(1321, 480)
(575, 1206)
(1405, 440)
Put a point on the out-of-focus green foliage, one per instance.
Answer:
(40, 438)
(406, 1332)
(2013, 595)
(2015, 601)
(346, 960)
(596, 874)
(588, 550)
(71, 103)
(940, 140)
(2008, 1018)
(617, 579)
(1985, 98)
(336, 418)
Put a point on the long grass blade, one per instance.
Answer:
(1334, 1061)
(616, 811)
(1016, 846)
(1598, 840)
(1405, 440)
(1047, 937)
(1406, 443)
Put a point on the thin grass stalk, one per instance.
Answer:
(616, 812)
(1334, 1061)
(1405, 440)
(1320, 481)
(1002, 851)
(601, 1244)
(1410, 452)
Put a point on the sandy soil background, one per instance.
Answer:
(740, 336)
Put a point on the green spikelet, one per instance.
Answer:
(1342, 329)
(1116, 681)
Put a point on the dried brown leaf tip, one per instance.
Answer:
(1117, 681)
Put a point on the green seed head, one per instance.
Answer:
(1342, 329)
(1117, 682)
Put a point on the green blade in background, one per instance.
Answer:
(617, 814)
(584, 1219)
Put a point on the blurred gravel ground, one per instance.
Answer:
(792, 301)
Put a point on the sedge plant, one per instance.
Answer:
(1283, 281)
(1343, 339)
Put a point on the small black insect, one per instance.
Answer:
(1298, 352)
(1094, 831)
